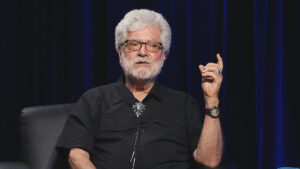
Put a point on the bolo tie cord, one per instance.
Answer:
(136, 139)
(138, 108)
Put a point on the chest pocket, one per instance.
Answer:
(115, 134)
(117, 125)
(170, 128)
(116, 119)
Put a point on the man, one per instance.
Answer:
(138, 123)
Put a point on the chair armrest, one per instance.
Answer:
(13, 165)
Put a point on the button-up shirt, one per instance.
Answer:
(104, 124)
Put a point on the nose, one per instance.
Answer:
(143, 51)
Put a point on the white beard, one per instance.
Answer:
(147, 72)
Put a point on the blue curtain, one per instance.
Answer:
(276, 33)
(53, 50)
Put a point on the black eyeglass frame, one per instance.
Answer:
(161, 47)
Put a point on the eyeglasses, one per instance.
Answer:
(136, 45)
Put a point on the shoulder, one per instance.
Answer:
(176, 93)
(92, 101)
(177, 96)
(180, 102)
(99, 91)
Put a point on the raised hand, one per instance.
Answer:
(212, 80)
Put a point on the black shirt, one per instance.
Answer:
(104, 124)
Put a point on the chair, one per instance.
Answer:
(40, 129)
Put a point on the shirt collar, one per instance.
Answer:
(126, 95)
(157, 91)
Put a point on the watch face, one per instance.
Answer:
(215, 112)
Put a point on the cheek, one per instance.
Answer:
(130, 56)
(157, 59)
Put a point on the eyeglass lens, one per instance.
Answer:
(150, 45)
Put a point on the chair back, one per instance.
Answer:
(40, 129)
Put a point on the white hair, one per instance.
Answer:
(138, 19)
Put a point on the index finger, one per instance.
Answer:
(220, 61)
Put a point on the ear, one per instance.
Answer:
(119, 53)
(164, 55)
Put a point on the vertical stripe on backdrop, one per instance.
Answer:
(278, 85)
(188, 47)
(88, 44)
(260, 30)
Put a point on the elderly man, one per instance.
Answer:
(138, 123)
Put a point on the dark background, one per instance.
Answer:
(51, 51)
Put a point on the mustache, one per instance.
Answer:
(145, 59)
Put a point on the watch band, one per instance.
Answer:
(213, 112)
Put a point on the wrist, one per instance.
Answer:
(213, 112)
(211, 101)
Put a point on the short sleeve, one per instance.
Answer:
(194, 122)
(78, 131)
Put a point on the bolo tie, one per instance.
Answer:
(138, 108)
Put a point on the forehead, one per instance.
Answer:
(145, 34)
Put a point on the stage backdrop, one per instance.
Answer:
(54, 50)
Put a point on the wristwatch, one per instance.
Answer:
(213, 112)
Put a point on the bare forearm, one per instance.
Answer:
(82, 165)
(80, 159)
(210, 145)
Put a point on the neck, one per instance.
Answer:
(139, 88)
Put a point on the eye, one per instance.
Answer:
(132, 43)
(153, 45)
